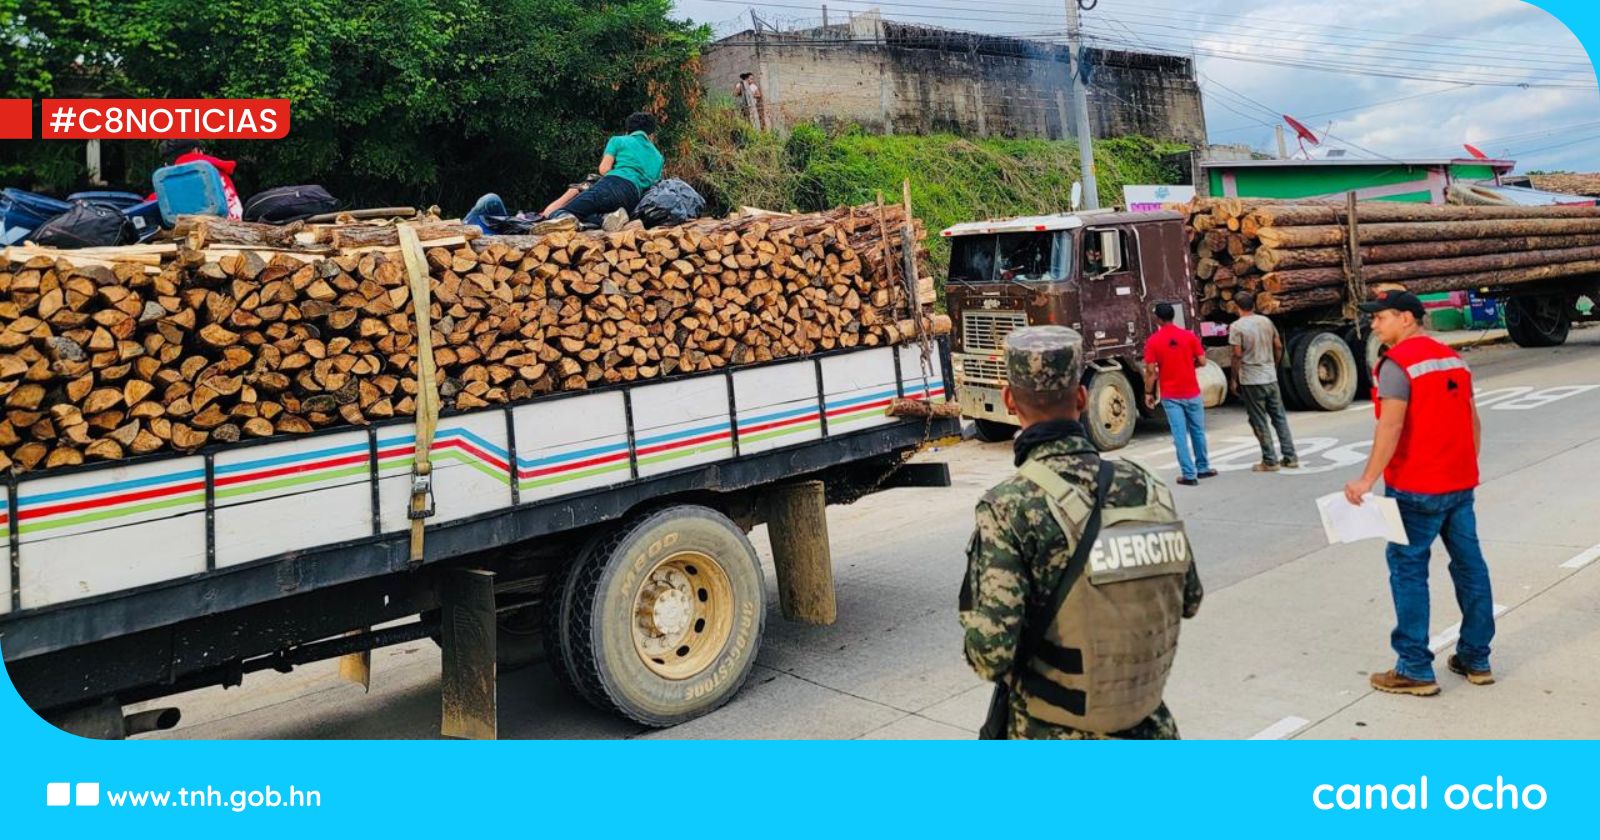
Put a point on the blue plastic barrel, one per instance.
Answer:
(189, 189)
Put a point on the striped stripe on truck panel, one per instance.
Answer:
(45, 514)
(594, 459)
(780, 424)
(684, 443)
(450, 443)
(262, 478)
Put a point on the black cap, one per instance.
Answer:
(1396, 300)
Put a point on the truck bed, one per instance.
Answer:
(104, 551)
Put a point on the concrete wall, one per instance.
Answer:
(907, 81)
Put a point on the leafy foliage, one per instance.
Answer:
(394, 101)
(953, 179)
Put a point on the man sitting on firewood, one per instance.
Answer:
(630, 165)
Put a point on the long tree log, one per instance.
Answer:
(206, 230)
(1277, 304)
(1309, 278)
(1284, 259)
(1321, 236)
(1501, 279)
(1388, 211)
(366, 236)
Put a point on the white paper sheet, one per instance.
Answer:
(1378, 517)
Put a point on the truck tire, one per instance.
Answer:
(1366, 349)
(993, 431)
(666, 616)
(557, 615)
(1539, 320)
(1113, 410)
(1293, 348)
(1324, 371)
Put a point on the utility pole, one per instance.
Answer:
(1080, 107)
(1283, 148)
(824, 15)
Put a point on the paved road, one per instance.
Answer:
(1288, 633)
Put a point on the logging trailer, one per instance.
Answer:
(601, 530)
(1029, 271)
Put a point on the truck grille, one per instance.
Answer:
(986, 331)
(983, 371)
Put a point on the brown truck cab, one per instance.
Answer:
(1099, 272)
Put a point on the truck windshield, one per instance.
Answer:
(1009, 257)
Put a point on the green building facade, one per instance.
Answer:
(1416, 181)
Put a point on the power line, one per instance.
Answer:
(1414, 43)
(1365, 70)
(1429, 63)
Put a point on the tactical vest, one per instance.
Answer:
(1102, 662)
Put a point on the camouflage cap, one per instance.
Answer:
(1044, 359)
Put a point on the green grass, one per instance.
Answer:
(953, 179)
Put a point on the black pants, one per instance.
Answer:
(608, 194)
(1265, 406)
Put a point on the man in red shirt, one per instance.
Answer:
(1171, 355)
(1426, 449)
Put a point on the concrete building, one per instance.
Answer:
(901, 78)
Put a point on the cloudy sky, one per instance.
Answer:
(1400, 78)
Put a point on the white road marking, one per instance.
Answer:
(1449, 635)
(1280, 730)
(1583, 559)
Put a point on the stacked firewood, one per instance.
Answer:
(242, 331)
(1296, 255)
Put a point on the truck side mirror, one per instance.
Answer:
(1111, 249)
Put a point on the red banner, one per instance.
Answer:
(16, 119)
(161, 119)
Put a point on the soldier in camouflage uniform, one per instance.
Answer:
(1018, 552)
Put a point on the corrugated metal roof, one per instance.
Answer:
(1058, 221)
(1572, 183)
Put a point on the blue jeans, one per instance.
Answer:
(489, 205)
(1187, 418)
(1428, 516)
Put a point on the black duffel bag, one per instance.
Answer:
(286, 204)
(671, 202)
(85, 226)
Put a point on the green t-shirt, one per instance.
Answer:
(636, 159)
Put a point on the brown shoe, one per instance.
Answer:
(1265, 466)
(1484, 677)
(1396, 683)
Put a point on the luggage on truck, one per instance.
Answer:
(190, 189)
(115, 199)
(22, 211)
(85, 225)
(671, 202)
(288, 204)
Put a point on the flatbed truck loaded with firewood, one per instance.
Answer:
(572, 457)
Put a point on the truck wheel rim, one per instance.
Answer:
(1111, 411)
(683, 614)
(1331, 371)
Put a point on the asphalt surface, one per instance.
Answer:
(1290, 628)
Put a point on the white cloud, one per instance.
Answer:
(1482, 40)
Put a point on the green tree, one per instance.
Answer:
(393, 101)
